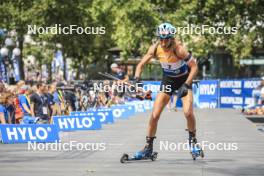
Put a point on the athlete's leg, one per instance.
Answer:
(161, 100)
(187, 103)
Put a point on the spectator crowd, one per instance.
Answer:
(25, 103)
(29, 103)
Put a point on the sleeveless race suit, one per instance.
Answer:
(174, 66)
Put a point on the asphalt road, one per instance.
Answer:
(227, 127)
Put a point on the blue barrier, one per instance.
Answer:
(123, 111)
(231, 93)
(90, 120)
(148, 105)
(138, 105)
(208, 94)
(248, 87)
(237, 93)
(104, 114)
(29, 133)
(130, 109)
(218, 93)
(72, 123)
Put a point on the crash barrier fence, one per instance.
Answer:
(219, 93)
(92, 119)
(207, 94)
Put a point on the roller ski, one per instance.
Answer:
(138, 156)
(145, 154)
(195, 150)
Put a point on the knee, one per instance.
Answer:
(154, 118)
(188, 114)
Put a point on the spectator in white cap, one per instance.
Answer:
(118, 72)
(114, 65)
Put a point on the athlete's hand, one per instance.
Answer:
(148, 95)
(183, 90)
(136, 82)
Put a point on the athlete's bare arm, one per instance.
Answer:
(193, 70)
(144, 60)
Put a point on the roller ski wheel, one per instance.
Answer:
(124, 158)
(197, 151)
(154, 156)
(193, 156)
(202, 154)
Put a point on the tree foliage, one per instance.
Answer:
(131, 25)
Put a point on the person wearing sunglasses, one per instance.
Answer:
(179, 69)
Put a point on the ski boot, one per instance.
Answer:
(145, 154)
(196, 150)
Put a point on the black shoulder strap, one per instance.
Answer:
(188, 57)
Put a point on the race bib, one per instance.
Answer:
(172, 66)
